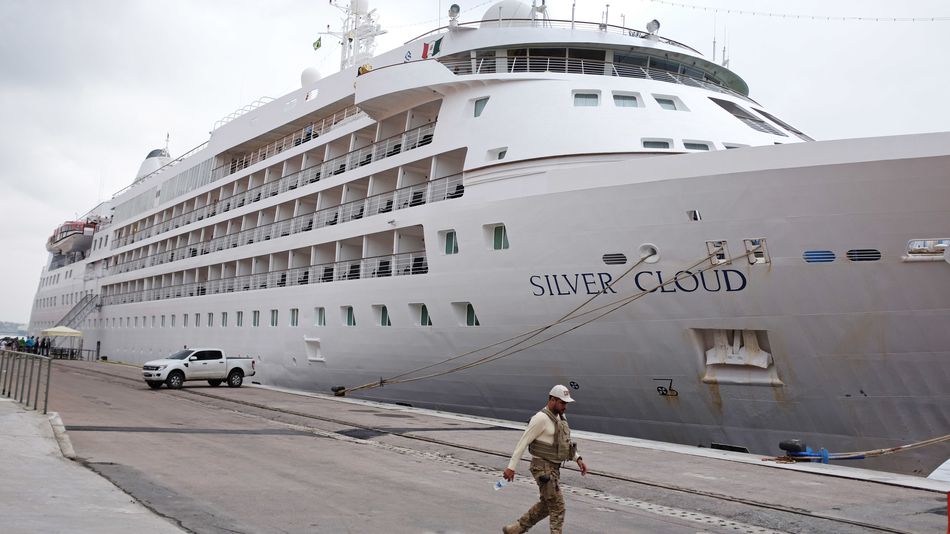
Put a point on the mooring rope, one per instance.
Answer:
(525, 337)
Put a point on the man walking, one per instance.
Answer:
(548, 439)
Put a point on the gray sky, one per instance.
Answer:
(89, 87)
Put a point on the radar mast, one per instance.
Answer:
(357, 39)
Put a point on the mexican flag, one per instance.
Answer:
(432, 48)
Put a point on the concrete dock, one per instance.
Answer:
(256, 459)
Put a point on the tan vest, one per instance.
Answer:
(561, 450)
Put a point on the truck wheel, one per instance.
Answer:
(154, 384)
(235, 379)
(175, 380)
(215, 383)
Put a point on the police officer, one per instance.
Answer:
(548, 439)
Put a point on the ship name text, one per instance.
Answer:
(712, 281)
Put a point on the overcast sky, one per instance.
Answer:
(89, 87)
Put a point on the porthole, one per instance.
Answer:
(818, 256)
(649, 253)
(615, 259)
(864, 254)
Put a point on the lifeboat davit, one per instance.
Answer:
(71, 236)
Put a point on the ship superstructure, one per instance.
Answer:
(499, 206)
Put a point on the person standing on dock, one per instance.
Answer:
(548, 439)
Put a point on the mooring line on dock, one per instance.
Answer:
(488, 452)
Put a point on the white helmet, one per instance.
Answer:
(562, 393)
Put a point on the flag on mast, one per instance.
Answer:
(432, 48)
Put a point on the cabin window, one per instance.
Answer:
(349, 317)
(586, 99)
(273, 317)
(224, 319)
(626, 101)
(420, 314)
(239, 318)
(210, 320)
(256, 318)
(197, 320)
(499, 237)
(163, 321)
(172, 323)
(319, 316)
(294, 316)
(382, 314)
(746, 117)
(451, 242)
(656, 143)
(695, 145)
(783, 124)
(470, 318)
(184, 320)
(480, 104)
(666, 103)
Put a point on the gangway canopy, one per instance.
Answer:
(61, 331)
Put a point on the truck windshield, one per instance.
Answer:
(180, 355)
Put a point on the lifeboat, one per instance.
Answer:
(71, 236)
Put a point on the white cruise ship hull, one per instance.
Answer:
(859, 348)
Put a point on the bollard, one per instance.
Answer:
(22, 379)
(3, 373)
(36, 396)
(29, 382)
(49, 365)
(16, 376)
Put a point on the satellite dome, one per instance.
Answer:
(509, 9)
(309, 76)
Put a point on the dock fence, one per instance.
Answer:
(22, 378)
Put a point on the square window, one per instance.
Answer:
(470, 318)
(294, 316)
(382, 314)
(273, 317)
(450, 241)
(586, 99)
(666, 103)
(239, 318)
(320, 316)
(256, 318)
(626, 101)
(480, 106)
(420, 314)
(656, 143)
(499, 237)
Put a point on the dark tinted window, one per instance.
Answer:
(209, 355)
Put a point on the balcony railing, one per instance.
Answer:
(403, 264)
(565, 65)
(448, 187)
(303, 135)
(566, 24)
(392, 146)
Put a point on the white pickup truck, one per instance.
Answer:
(197, 364)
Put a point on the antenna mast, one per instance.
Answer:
(357, 39)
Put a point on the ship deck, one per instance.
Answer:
(258, 459)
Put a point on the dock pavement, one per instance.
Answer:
(418, 471)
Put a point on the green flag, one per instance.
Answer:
(316, 44)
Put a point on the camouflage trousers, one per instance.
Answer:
(551, 503)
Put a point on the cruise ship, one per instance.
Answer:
(498, 206)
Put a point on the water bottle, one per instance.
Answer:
(500, 483)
